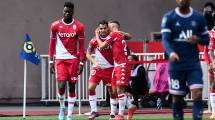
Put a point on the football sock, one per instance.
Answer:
(178, 113)
(197, 110)
(93, 101)
(122, 102)
(71, 102)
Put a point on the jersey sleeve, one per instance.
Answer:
(166, 33)
(91, 46)
(52, 44)
(203, 30)
(111, 38)
(81, 37)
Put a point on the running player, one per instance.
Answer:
(182, 30)
(66, 34)
(102, 70)
(121, 73)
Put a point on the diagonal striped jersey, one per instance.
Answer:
(65, 39)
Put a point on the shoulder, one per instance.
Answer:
(169, 14)
(78, 23)
(198, 15)
(168, 17)
(93, 40)
(55, 24)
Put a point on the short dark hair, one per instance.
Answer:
(103, 22)
(114, 21)
(209, 4)
(69, 5)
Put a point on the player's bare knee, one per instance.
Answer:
(92, 86)
(197, 94)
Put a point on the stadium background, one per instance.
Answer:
(139, 17)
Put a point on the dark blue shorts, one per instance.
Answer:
(179, 80)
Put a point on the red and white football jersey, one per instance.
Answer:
(212, 39)
(119, 47)
(103, 57)
(211, 46)
(65, 38)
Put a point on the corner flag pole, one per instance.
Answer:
(24, 91)
(79, 96)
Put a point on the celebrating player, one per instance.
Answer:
(102, 70)
(66, 34)
(182, 29)
(121, 73)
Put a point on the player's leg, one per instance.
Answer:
(72, 77)
(123, 78)
(92, 96)
(212, 93)
(177, 107)
(107, 80)
(177, 89)
(94, 80)
(61, 97)
(113, 101)
(71, 100)
(195, 83)
(61, 80)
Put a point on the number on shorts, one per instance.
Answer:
(93, 72)
(175, 84)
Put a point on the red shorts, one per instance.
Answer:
(121, 75)
(67, 70)
(97, 75)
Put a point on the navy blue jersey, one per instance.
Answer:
(176, 29)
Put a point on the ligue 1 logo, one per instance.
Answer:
(28, 47)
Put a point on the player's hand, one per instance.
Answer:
(173, 57)
(97, 32)
(80, 68)
(193, 39)
(52, 69)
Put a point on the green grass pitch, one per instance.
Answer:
(136, 117)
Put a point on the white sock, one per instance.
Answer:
(122, 102)
(113, 106)
(128, 102)
(61, 101)
(71, 102)
(93, 103)
(212, 100)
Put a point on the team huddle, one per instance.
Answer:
(182, 30)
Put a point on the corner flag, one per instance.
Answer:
(28, 51)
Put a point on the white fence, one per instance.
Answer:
(49, 84)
